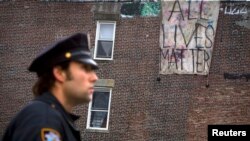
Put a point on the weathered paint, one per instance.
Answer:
(187, 36)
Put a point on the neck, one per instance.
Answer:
(59, 95)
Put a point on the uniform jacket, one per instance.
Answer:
(44, 119)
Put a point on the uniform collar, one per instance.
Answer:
(50, 99)
(74, 117)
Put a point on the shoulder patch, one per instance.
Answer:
(49, 134)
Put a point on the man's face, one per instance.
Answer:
(79, 84)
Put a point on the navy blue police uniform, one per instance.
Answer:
(44, 118)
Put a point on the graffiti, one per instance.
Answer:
(237, 76)
(145, 9)
(244, 22)
(150, 9)
(235, 9)
(187, 36)
(200, 60)
(175, 58)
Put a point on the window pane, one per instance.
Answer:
(98, 119)
(104, 49)
(100, 101)
(106, 31)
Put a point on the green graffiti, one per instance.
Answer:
(150, 9)
(145, 9)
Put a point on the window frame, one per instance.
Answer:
(97, 39)
(100, 89)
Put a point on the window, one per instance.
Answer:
(99, 109)
(104, 44)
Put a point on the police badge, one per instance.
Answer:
(48, 134)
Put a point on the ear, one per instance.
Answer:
(59, 74)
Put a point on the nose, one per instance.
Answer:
(94, 77)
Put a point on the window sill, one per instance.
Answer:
(105, 59)
(97, 131)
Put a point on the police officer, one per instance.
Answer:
(66, 77)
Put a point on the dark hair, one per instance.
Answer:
(46, 80)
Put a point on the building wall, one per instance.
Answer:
(226, 101)
(145, 105)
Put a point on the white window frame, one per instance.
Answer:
(100, 89)
(97, 38)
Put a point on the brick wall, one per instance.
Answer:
(226, 101)
(178, 107)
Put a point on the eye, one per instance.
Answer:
(87, 68)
